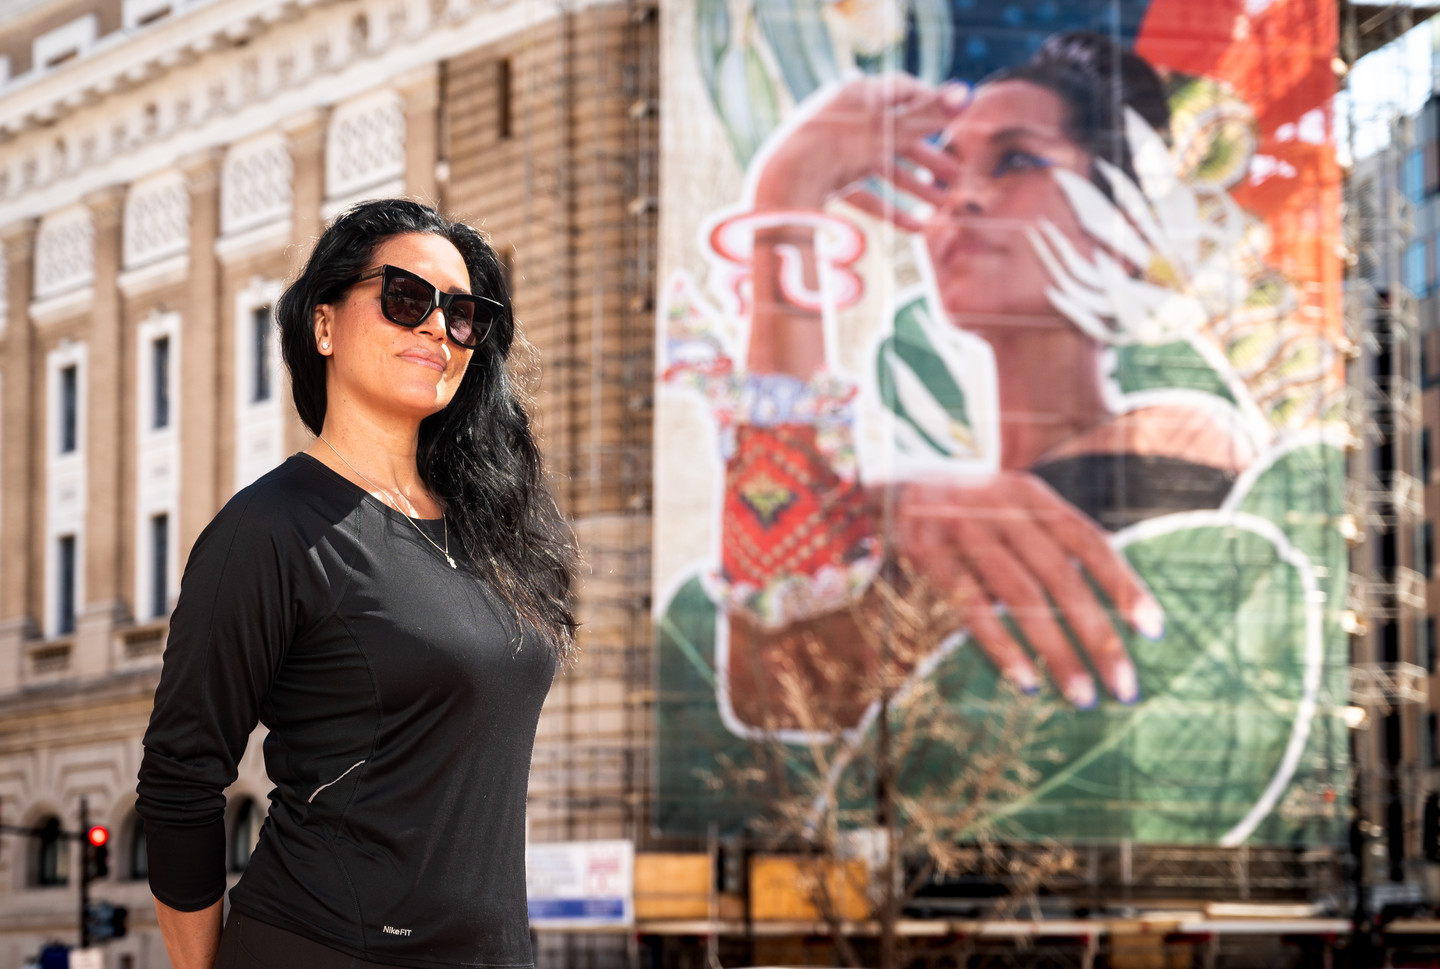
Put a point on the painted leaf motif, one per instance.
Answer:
(800, 43)
(921, 408)
(935, 37)
(712, 39)
(739, 84)
(920, 380)
(1176, 364)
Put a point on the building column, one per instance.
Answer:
(19, 592)
(420, 91)
(306, 133)
(201, 492)
(105, 445)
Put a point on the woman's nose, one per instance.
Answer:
(968, 192)
(434, 325)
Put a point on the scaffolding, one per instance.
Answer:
(590, 147)
(1385, 498)
(592, 189)
(587, 238)
(599, 184)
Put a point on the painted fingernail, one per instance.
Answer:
(1148, 619)
(1125, 683)
(956, 94)
(1080, 691)
(1024, 679)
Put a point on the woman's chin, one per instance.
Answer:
(418, 405)
(987, 306)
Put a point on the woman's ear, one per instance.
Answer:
(324, 317)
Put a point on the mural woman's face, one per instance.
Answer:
(1006, 143)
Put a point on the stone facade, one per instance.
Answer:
(158, 185)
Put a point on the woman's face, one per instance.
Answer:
(1007, 142)
(382, 367)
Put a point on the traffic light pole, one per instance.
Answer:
(84, 874)
(93, 849)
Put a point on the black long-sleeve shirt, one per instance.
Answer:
(402, 705)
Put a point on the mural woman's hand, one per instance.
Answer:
(1012, 542)
(864, 128)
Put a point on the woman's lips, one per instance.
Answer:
(967, 244)
(425, 358)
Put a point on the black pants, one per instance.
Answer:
(248, 944)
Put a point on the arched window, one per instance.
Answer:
(52, 854)
(244, 832)
(137, 866)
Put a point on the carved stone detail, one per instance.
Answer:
(255, 184)
(64, 252)
(366, 144)
(157, 219)
(110, 114)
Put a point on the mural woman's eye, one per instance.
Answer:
(1015, 161)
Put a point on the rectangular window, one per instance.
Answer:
(1430, 644)
(1385, 552)
(65, 43)
(65, 585)
(1412, 176)
(69, 409)
(160, 382)
(260, 335)
(1427, 548)
(159, 564)
(503, 90)
(1415, 265)
(1425, 455)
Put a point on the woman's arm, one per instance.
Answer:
(858, 131)
(191, 938)
(229, 631)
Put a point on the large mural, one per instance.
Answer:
(1031, 308)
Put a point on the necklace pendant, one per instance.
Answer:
(451, 561)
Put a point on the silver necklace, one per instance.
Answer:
(395, 504)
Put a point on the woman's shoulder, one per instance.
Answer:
(285, 502)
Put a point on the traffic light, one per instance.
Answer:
(97, 852)
(105, 921)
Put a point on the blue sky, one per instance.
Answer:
(1394, 79)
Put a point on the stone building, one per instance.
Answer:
(164, 165)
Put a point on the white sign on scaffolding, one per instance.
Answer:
(581, 884)
(90, 958)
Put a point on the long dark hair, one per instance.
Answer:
(1097, 79)
(477, 454)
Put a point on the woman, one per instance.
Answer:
(392, 604)
(1020, 541)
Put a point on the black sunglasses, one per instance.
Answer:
(408, 300)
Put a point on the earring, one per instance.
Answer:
(324, 344)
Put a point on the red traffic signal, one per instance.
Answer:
(98, 835)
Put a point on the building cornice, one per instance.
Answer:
(65, 306)
(127, 59)
(153, 98)
(171, 271)
(255, 241)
